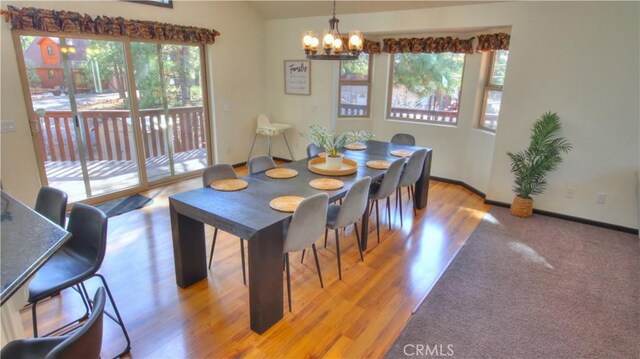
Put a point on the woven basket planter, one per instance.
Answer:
(522, 207)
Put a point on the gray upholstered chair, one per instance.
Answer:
(52, 204)
(410, 176)
(385, 188)
(85, 342)
(403, 139)
(313, 150)
(210, 174)
(260, 163)
(352, 209)
(305, 228)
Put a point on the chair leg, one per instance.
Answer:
(286, 262)
(34, 319)
(302, 257)
(377, 222)
(400, 193)
(326, 231)
(213, 246)
(338, 252)
(389, 211)
(251, 150)
(315, 255)
(413, 194)
(244, 271)
(287, 142)
(119, 321)
(358, 242)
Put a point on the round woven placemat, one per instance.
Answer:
(281, 173)
(356, 147)
(229, 184)
(401, 153)
(378, 164)
(286, 203)
(326, 184)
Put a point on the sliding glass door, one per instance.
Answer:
(88, 140)
(170, 98)
(80, 98)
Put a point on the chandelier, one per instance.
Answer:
(333, 44)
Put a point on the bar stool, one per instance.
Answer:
(266, 128)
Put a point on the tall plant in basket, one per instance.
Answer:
(530, 166)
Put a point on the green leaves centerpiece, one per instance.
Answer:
(333, 142)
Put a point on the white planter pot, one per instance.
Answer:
(334, 163)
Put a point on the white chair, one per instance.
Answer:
(266, 128)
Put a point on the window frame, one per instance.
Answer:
(490, 86)
(414, 120)
(356, 83)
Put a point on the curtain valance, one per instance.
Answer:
(428, 45)
(493, 42)
(70, 22)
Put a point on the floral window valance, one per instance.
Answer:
(493, 42)
(428, 45)
(74, 23)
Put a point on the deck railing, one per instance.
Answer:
(109, 134)
(425, 115)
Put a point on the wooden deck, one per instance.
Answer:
(359, 316)
(110, 176)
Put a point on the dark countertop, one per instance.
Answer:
(28, 240)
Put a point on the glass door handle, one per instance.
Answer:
(75, 120)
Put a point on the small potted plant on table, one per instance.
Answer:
(333, 142)
(530, 166)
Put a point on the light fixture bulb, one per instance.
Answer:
(314, 42)
(307, 40)
(337, 44)
(355, 40)
(328, 38)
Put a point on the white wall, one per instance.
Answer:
(577, 59)
(237, 78)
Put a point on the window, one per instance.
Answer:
(51, 74)
(354, 87)
(425, 87)
(49, 50)
(493, 90)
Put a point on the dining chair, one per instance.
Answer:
(210, 174)
(384, 189)
(410, 176)
(77, 261)
(403, 139)
(313, 150)
(85, 342)
(342, 216)
(305, 228)
(260, 163)
(270, 129)
(52, 204)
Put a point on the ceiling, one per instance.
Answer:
(293, 9)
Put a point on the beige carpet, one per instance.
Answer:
(532, 288)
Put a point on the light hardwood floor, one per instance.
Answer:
(360, 316)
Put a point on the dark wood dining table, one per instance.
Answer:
(247, 214)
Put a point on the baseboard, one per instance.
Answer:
(615, 227)
(239, 164)
(460, 183)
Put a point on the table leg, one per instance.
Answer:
(365, 228)
(265, 277)
(422, 186)
(189, 250)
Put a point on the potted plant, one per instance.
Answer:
(530, 166)
(333, 142)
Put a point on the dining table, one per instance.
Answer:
(247, 214)
(28, 240)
